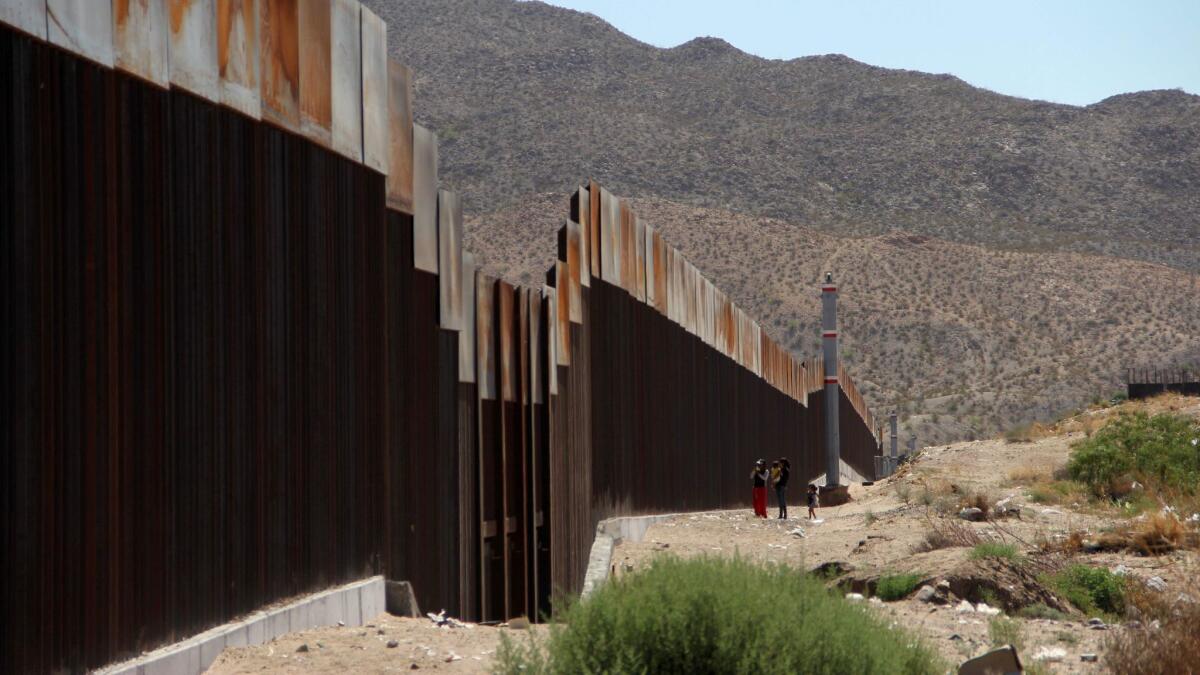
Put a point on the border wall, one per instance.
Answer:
(244, 356)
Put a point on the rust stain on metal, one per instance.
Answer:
(506, 325)
(561, 275)
(346, 63)
(536, 369)
(628, 249)
(316, 89)
(280, 63)
(574, 263)
(449, 233)
(551, 338)
(237, 55)
(400, 137)
(639, 265)
(485, 336)
(375, 91)
(140, 41)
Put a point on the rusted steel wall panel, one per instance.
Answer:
(346, 64)
(84, 27)
(140, 42)
(238, 58)
(400, 137)
(596, 205)
(316, 71)
(425, 187)
(466, 337)
(563, 316)
(279, 69)
(551, 339)
(375, 91)
(485, 336)
(25, 15)
(192, 31)
(651, 298)
(582, 214)
(537, 336)
(639, 259)
(628, 247)
(450, 260)
(574, 261)
(505, 326)
(610, 237)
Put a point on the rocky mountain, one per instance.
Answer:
(1002, 259)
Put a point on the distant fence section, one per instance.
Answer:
(245, 357)
(1147, 382)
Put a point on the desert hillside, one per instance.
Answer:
(1003, 259)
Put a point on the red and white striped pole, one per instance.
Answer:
(829, 339)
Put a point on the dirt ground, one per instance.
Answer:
(420, 645)
(877, 532)
(873, 535)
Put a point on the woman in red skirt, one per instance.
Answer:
(759, 476)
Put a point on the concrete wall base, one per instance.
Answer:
(353, 604)
(609, 533)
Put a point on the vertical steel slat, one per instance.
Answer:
(449, 233)
(279, 67)
(84, 27)
(140, 41)
(400, 138)
(316, 71)
(238, 59)
(375, 98)
(425, 188)
(346, 86)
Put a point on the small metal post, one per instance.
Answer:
(829, 338)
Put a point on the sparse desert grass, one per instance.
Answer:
(994, 549)
(1041, 611)
(903, 491)
(1005, 631)
(1174, 644)
(1026, 475)
(892, 587)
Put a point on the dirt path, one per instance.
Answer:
(419, 646)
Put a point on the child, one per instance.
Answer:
(813, 501)
(759, 476)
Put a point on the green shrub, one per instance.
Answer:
(1091, 589)
(1005, 631)
(1157, 450)
(994, 549)
(1041, 611)
(897, 586)
(718, 616)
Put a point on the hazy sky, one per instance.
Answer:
(1069, 51)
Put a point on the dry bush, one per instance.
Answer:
(1025, 475)
(1161, 533)
(949, 533)
(1168, 640)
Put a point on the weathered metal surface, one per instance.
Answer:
(639, 259)
(466, 337)
(425, 187)
(140, 43)
(595, 202)
(375, 92)
(238, 59)
(84, 27)
(551, 296)
(449, 234)
(400, 137)
(316, 88)
(628, 246)
(25, 15)
(192, 33)
(648, 236)
(610, 237)
(346, 64)
(485, 336)
(279, 69)
(563, 331)
(537, 337)
(583, 216)
(574, 260)
(506, 327)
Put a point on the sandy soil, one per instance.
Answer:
(420, 645)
